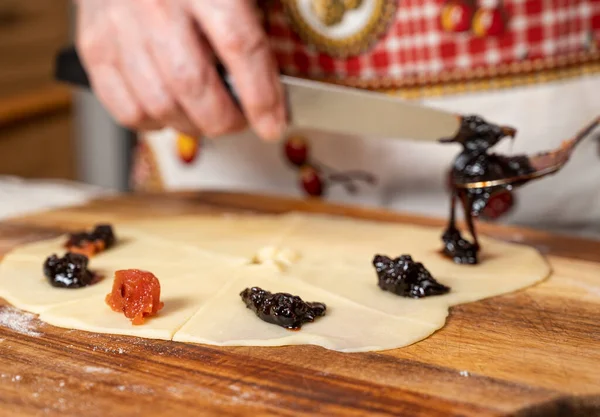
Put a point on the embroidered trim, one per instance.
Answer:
(482, 79)
(504, 75)
(497, 83)
(360, 42)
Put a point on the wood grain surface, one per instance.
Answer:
(530, 353)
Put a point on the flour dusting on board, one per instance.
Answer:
(97, 370)
(590, 289)
(19, 321)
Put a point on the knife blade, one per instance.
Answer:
(326, 107)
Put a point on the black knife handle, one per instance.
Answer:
(70, 70)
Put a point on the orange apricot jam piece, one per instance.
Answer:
(91, 243)
(136, 294)
(88, 248)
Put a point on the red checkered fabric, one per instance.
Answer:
(416, 44)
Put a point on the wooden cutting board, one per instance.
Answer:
(531, 353)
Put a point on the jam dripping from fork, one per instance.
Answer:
(474, 164)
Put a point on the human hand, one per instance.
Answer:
(152, 64)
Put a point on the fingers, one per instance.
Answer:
(233, 29)
(141, 74)
(121, 72)
(185, 64)
(151, 68)
(99, 55)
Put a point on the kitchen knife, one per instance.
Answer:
(329, 108)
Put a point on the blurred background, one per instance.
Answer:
(58, 146)
(38, 113)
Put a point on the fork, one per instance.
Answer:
(544, 163)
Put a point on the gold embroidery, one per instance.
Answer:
(374, 27)
(487, 84)
(514, 74)
(329, 12)
(352, 4)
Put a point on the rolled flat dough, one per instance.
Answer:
(204, 262)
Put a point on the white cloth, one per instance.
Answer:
(19, 197)
(412, 175)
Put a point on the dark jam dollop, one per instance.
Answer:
(405, 277)
(136, 294)
(70, 271)
(282, 309)
(460, 250)
(91, 243)
(474, 164)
